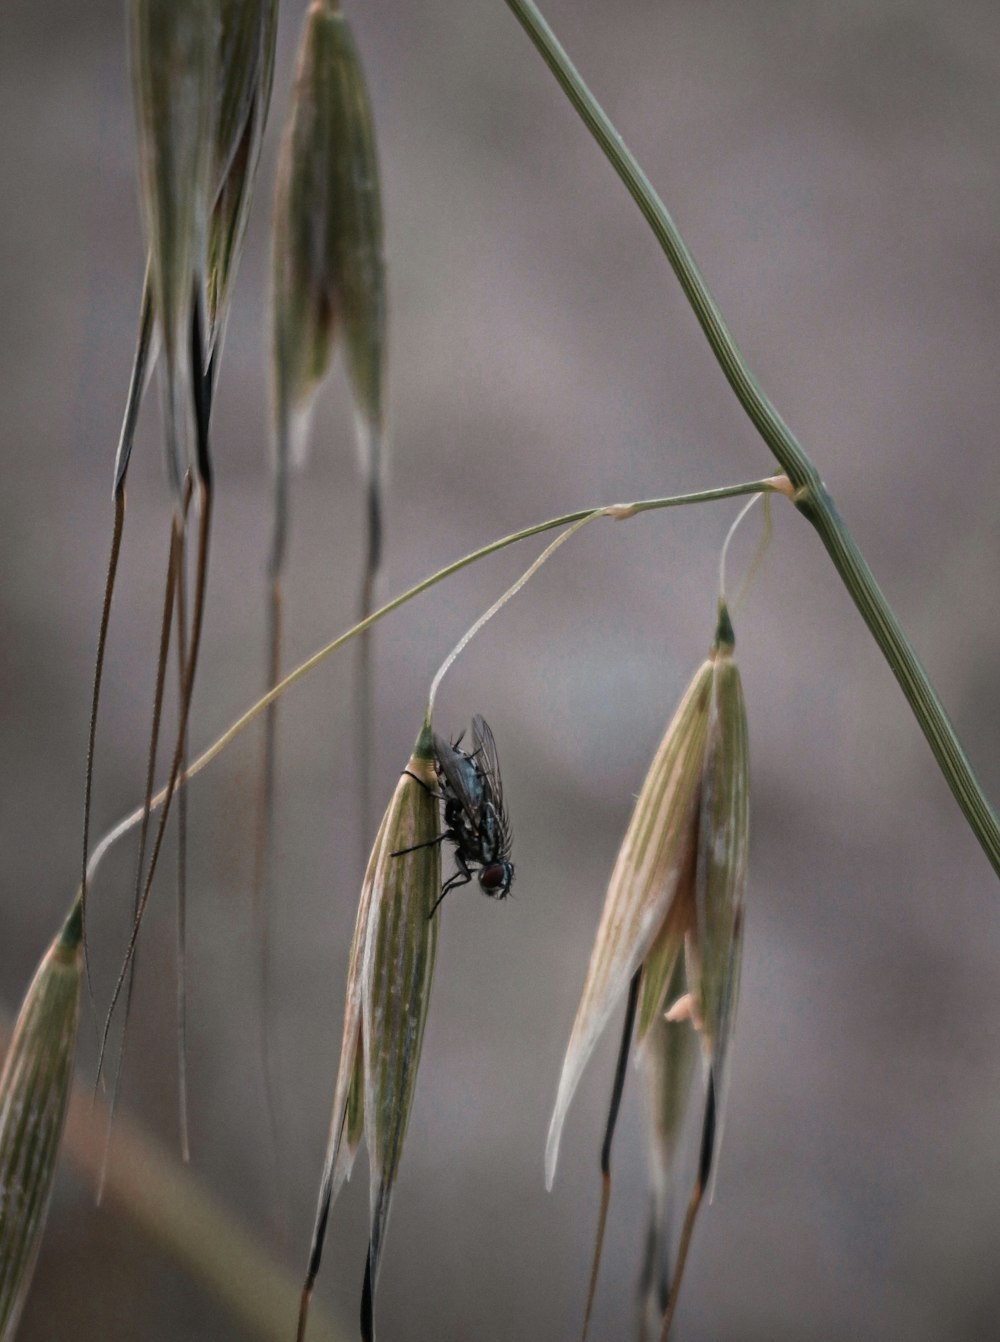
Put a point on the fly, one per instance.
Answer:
(475, 821)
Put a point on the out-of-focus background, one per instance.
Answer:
(835, 168)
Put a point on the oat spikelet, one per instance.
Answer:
(34, 1095)
(329, 266)
(678, 881)
(678, 884)
(388, 994)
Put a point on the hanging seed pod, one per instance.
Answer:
(388, 993)
(679, 878)
(34, 1094)
(328, 265)
(721, 872)
(359, 255)
(174, 51)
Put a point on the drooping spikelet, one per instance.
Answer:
(388, 994)
(328, 264)
(34, 1095)
(679, 880)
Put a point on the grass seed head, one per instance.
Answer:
(678, 880)
(389, 975)
(397, 968)
(34, 1094)
(328, 265)
(721, 864)
(388, 994)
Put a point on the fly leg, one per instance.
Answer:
(428, 843)
(461, 877)
(438, 796)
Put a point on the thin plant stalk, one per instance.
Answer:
(204, 492)
(701, 1182)
(810, 495)
(102, 643)
(609, 1133)
(165, 796)
(141, 367)
(182, 831)
(753, 568)
(173, 562)
(365, 732)
(202, 409)
(618, 511)
(261, 886)
(487, 615)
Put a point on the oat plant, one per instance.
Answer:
(669, 941)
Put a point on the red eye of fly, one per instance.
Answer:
(492, 876)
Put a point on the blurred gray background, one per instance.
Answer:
(835, 168)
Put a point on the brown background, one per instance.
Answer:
(835, 168)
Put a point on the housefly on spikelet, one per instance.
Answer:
(475, 820)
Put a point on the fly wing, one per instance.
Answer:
(461, 778)
(484, 753)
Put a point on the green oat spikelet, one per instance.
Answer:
(679, 879)
(388, 993)
(721, 864)
(677, 885)
(34, 1095)
(174, 52)
(328, 262)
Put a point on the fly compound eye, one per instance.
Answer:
(495, 878)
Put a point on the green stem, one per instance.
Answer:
(620, 511)
(811, 496)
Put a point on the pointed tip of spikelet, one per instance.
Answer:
(725, 638)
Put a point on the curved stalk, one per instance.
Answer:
(811, 496)
(620, 511)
